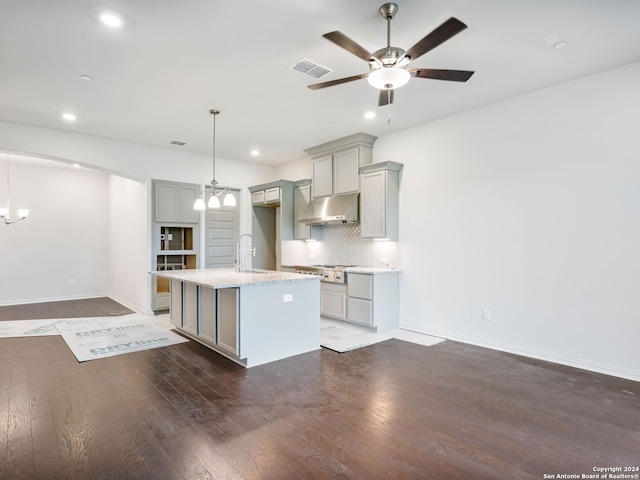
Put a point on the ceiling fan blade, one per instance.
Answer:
(349, 45)
(331, 83)
(451, 75)
(440, 35)
(385, 98)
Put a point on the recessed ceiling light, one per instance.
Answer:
(77, 165)
(255, 152)
(178, 143)
(369, 114)
(69, 116)
(110, 20)
(554, 41)
(85, 77)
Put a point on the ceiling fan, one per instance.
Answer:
(389, 64)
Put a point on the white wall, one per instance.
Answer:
(65, 236)
(529, 208)
(129, 243)
(139, 163)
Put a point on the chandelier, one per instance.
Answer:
(5, 212)
(214, 200)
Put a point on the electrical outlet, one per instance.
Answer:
(486, 314)
(384, 260)
(287, 298)
(72, 282)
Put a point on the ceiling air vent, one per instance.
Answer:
(310, 68)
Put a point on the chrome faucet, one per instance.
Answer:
(240, 265)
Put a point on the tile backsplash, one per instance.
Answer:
(342, 245)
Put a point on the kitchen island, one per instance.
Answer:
(251, 318)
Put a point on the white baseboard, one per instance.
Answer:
(128, 305)
(582, 364)
(78, 297)
(55, 299)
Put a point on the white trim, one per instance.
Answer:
(56, 299)
(537, 354)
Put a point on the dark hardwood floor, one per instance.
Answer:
(86, 307)
(394, 410)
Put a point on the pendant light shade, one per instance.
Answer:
(229, 200)
(214, 200)
(198, 204)
(5, 212)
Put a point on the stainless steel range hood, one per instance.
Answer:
(330, 210)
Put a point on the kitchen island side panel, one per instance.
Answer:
(271, 328)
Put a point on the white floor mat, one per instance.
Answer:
(32, 328)
(109, 336)
(342, 337)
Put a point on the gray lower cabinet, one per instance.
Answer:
(228, 320)
(189, 308)
(333, 300)
(251, 324)
(175, 303)
(210, 315)
(373, 300)
(207, 327)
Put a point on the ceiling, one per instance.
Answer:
(155, 78)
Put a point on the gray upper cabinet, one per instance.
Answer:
(301, 198)
(270, 196)
(379, 200)
(173, 202)
(345, 169)
(335, 164)
(322, 172)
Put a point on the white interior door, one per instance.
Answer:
(222, 231)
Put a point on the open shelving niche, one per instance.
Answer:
(175, 251)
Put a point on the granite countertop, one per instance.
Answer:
(228, 277)
(355, 269)
(371, 270)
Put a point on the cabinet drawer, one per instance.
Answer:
(359, 311)
(257, 197)
(161, 302)
(360, 286)
(272, 194)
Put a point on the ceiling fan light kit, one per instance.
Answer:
(388, 78)
(388, 65)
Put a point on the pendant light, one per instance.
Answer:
(214, 200)
(5, 212)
